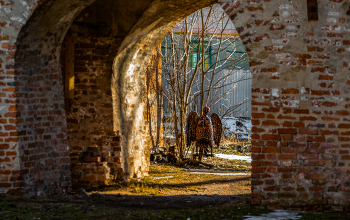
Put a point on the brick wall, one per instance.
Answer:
(300, 102)
(90, 124)
(95, 160)
(94, 136)
(300, 95)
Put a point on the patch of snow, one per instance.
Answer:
(239, 126)
(234, 157)
(162, 177)
(223, 174)
(276, 215)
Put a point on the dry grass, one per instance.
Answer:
(178, 181)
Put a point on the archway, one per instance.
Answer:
(44, 163)
(300, 80)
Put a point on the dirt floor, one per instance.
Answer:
(172, 181)
(169, 192)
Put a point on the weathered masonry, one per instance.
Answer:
(298, 53)
(73, 76)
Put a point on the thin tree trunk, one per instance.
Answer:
(182, 126)
(203, 63)
(149, 116)
(159, 100)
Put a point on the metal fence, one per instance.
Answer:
(238, 97)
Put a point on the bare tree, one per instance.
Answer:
(154, 97)
(200, 57)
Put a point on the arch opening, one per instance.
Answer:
(227, 74)
(44, 161)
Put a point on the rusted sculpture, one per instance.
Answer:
(203, 131)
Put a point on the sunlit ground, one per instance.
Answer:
(169, 180)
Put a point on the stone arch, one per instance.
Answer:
(300, 94)
(36, 158)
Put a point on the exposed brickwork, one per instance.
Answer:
(95, 150)
(35, 158)
(300, 105)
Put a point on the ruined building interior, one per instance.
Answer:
(72, 94)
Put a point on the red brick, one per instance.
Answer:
(256, 163)
(258, 115)
(257, 130)
(271, 109)
(308, 118)
(4, 146)
(308, 131)
(325, 77)
(272, 188)
(290, 91)
(255, 137)
(287, 124)
(317, 188)
(271, 150)
(329, 104)
(260, 90)
(314, 176)
(287, 131)
(271, 137)
(288, 150)
(287, 156)
(254, 102)
(270, 123)
(255, 149)
(303, 170)
(328, 132)
(258, 156)
(270, 163)
(344, 126)
(316, 138)
(258, 169)
(271, 143)
(11, 153)
(314, 163)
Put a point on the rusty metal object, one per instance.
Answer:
(312, 10)
(204, 131)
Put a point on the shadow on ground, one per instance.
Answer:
(169, 202)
